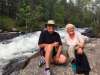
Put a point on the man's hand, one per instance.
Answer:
(55, 44)
(42, 45)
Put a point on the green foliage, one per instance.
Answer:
(48, 9)
(7, 23)
(54, 9)
(24, 14)
(59, 12)
(77, 16)
(97, 21)
(82, 3)
(73, 14)
(31, 15)
(29, 18)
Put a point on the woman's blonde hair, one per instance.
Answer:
(70, 26)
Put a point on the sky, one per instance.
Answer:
(74, 1)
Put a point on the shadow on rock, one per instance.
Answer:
(15, 65)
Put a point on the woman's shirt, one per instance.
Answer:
(76, 39)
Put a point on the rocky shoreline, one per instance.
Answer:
(29, 65)
(9, 35)
(91, 50)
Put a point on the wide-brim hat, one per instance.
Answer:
(51, 22)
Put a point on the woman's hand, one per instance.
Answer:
(80, 51)
(79, 44)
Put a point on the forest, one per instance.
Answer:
(31, 15)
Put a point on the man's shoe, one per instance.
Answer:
(41, 61)
(47, 71)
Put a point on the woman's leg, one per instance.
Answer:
(62, 59)
(71, 52)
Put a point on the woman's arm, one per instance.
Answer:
(81, 42)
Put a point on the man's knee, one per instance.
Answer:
(48, 48)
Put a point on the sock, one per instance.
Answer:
(47, 68)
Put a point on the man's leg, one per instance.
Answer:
(42, 57)
(42, 52)
(48, 51)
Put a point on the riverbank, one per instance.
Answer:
(24, 65)
(91, 50)
(9, 35)
(14, 52)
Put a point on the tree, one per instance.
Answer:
(48, 9)
(7, 23)
(24, 14)
(30, 17)
(60, 12)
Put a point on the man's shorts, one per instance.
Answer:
(42, 52)
(54, 52)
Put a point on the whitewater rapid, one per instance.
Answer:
(22, 45)
(19, 45)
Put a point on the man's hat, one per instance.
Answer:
(51, 22)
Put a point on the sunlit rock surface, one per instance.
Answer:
(91, 50)
(15, 55)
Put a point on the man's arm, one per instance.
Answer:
(41, 40)
(42, 45)
(60, 46)
(59, 51)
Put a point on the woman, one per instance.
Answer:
(75, 43)
(74, 40)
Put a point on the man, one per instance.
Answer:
(50, 42)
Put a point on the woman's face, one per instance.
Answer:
(70, 30)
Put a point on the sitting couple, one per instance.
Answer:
(51, 45)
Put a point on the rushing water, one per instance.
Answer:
(18, 49)
(21, 45)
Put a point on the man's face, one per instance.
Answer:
(50, 29)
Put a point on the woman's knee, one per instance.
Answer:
(80, 50)
(62, 59)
